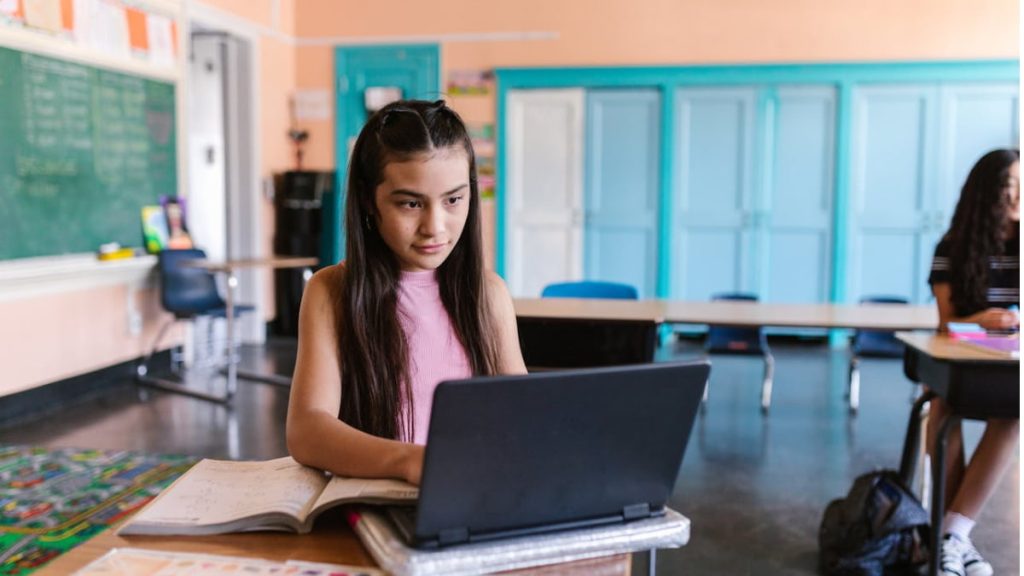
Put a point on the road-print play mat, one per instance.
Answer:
(53, 500)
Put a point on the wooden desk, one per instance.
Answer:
(974, 384)
(332, 541)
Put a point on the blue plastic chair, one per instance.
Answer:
(188, 293)
(590, 289)
(742, 341)
(871, 343)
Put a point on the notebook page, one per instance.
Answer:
(216, 491)
(341, 489)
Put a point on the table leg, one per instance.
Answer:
(939, 489)
(908, 462)
(652, 556)
(276, 379)
(232, 368)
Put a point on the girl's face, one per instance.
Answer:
(1012, 190)
(422, 205)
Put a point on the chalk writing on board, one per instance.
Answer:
(81, 150)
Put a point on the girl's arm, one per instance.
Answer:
(989, 319)
(316, 437)
(510, 356)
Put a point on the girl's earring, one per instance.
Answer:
(367, 223)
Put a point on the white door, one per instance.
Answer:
(544, 201)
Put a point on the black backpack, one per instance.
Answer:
(879, 529)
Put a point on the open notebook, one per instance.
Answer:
(216, 497)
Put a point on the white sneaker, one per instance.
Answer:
(961, 558)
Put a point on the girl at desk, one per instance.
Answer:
(410, 306)
(975, 278)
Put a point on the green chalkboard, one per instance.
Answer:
(82, 149)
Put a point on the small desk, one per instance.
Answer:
(975, 384)
(228, 269)
(332, 541)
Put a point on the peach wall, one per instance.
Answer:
(632, 32)
(670, 31)
(61, 335)
(254, 11)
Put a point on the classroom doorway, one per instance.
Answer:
(368, 78)
(223, 209)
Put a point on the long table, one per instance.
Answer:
(578, 332)
(888, 317)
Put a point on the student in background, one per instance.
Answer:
(975, 278)
(410, 306)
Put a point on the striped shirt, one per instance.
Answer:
(1003, 274)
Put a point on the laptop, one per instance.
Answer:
(517, 455)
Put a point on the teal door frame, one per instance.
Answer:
(843, 76)
(415, 68)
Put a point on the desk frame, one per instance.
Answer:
(974, 387)
(231, 371)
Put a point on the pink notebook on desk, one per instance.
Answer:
(1003, 346)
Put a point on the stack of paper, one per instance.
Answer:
(392, 554)
(137, 562)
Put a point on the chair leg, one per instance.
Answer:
(707, 386)
(766, 385)
(853, 385)
(143, 367)
(214, 347)
(177, 359)
(924, 467)
(143, 379)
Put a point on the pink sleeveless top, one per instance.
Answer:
(435, 353)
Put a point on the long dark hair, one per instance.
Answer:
(372, 345)
(979, 229)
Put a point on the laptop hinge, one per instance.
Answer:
(452, 536)
(636, 511)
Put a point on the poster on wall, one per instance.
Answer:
(160, 37)
(470, 82)
(482, 136)
(43, 14)
(11, 10)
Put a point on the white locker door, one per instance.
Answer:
(544, 201)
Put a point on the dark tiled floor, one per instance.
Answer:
(754, 487)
